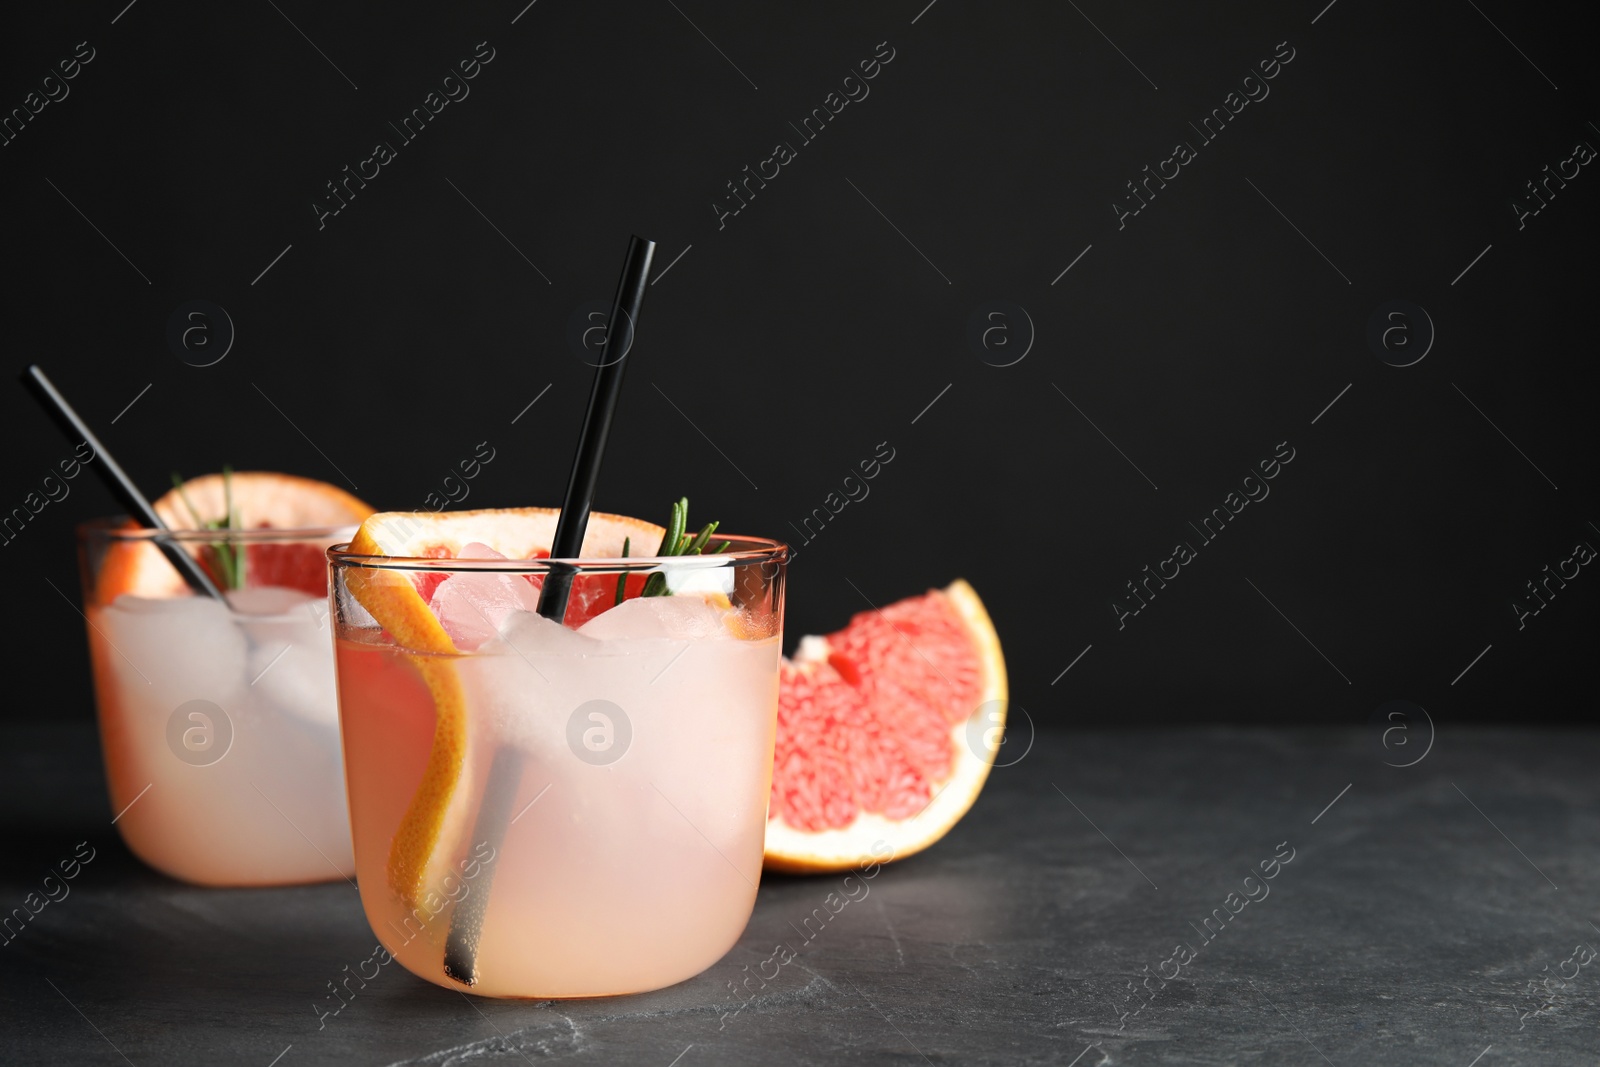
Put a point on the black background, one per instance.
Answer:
(811, 327)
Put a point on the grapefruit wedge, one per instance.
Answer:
(261, 499)
(886, 732)
(398, 601)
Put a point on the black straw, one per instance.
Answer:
(505, 773)
(574, 519)
(118, 482)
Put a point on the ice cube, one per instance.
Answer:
(676, 618)
(531, 634)
(295, 674)
(175, 650)
(290, 664)
(479, 550)
(471, 605)
(268, 600)
(521, 685)
(268, 613)
(351, 613)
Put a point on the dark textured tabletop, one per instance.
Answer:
(1439, 913)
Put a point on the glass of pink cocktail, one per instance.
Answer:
(218, 719)
(555, 809)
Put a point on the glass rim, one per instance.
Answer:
(115, 528)
(747, 550)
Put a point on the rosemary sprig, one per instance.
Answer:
(699, 543)
(671, 541)
(622, 579)
(235, 552)
(230, 558)
(677, 542)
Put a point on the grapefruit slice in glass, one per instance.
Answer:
(261, 499)
(398, 600)
(886, 732)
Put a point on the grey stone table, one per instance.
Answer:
(1430, 914)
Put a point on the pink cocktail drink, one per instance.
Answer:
(602, 827)
(218, 720)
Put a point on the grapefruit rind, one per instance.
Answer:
(262, 498)
(391, 599)
(395, 603)
(862, 843)
(516, 533)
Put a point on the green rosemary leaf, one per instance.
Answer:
(700, 540)
(677, 541)
(231, 554)
(219, 550)
(622, 579)
(683, 523)
(675, 525)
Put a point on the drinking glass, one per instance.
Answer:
(559, 812)
(219, 721)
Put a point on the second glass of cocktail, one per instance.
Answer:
(555, 809)
(218, 719)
